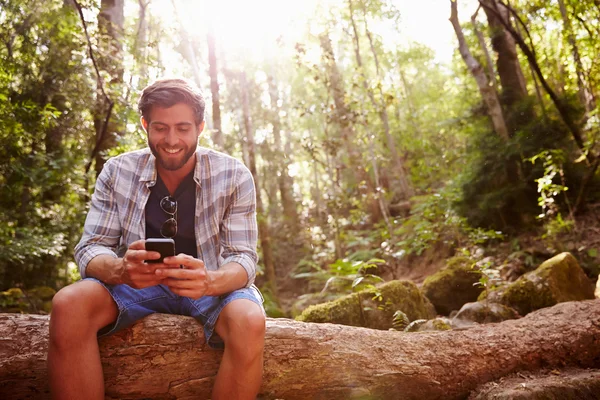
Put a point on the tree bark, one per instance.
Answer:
(488, 59)
(507, 61)
(214, 90)
(282, 158)
(488, 93)
(165, 357)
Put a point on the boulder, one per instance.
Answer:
(453, 286)
(556, 280)
(437, 324)
(482, 312)
(373, 308)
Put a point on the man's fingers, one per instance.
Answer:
(177, 273)
(138, 245)
(179, 283)
(142, 255)
(187, 261)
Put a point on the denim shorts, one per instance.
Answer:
(135, 304)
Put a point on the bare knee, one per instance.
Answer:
(243, 325)
(79, 310)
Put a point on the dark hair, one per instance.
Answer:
(168, 92)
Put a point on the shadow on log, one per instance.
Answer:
(165, 357)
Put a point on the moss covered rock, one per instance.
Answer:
(436, 324)
(366, 308)
(556, 280)
(453, 286)
(36, 300)
(482, 313)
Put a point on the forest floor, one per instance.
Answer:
(513, 256)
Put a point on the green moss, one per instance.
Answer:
(42, 292)
(360, 309)
(441, 325)
(556, 280)
(453, 286)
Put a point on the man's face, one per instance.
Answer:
(173, 135)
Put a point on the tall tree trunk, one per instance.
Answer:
(263, 225)
(110, 59)
(217, 134)
(141, 48)
(489, 95)
(514, 88)
(186, 48)
(290, 209)
(560, 106)
(584, 94)
(403, 176)
(342, 115)
(488, 59)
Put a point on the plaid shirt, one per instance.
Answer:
(225, 217)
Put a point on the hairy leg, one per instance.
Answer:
(241, 325)
(78, 312)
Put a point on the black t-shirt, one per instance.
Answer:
(185, 239)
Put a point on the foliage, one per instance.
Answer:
(433, 220)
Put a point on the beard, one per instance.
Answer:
(172, 164)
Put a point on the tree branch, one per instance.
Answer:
(111, 104)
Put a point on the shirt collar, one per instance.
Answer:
(149, 173)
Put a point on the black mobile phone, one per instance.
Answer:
(166, 248)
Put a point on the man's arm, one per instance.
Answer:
(130, 269)
(239, 230)
(102, 228)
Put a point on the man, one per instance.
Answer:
(203, 199)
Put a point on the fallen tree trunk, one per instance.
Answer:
(165, 357)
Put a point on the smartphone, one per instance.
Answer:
(166, 248)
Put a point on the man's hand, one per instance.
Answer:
(191, 280)
(134, 272)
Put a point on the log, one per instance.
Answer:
(165, 357)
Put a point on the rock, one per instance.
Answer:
(367, 309)
(598, 288)
(310, 299)
(437, 324)
(572, 384)
(557, 280)
(453, 286)
(482, 312)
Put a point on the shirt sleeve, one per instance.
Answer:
(102, 229)
(239, 230)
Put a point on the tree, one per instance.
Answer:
(263, 226)
(488, 93)
(320, 361)
(111, 20)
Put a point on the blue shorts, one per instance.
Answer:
(135, 304)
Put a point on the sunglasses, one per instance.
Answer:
(169, 227)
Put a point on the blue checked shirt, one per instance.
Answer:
(225, 215)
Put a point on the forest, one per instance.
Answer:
(389, 141)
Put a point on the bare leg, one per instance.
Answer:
(241, 325)
(74, 368)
